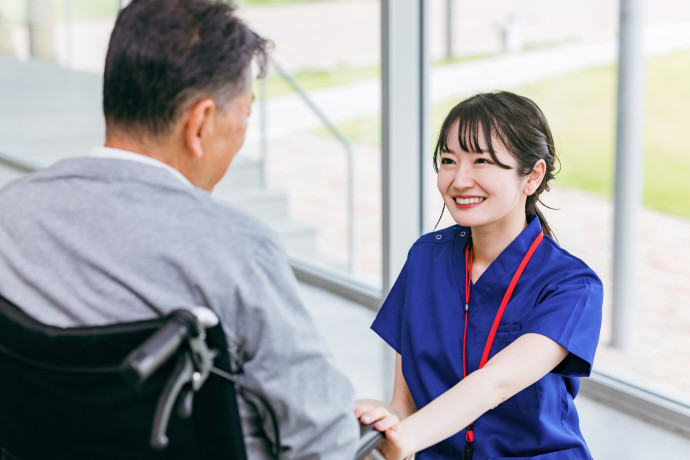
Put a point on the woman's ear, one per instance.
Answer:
(535, 177)
(198, 126)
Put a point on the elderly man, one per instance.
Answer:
(130, 231)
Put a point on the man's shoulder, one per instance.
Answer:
(141, 194)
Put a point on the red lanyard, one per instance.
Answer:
(492, 334)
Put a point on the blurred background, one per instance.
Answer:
(338, 155)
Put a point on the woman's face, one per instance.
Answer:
(477, 192)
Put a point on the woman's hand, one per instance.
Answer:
(394, 446)
(386, 419)
(378, 414)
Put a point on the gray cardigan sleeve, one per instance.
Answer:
(285, 358)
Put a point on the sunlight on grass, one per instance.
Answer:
(581, 112)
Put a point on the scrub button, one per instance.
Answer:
(463, 233)
(438, 237)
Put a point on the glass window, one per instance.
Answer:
(314, 137)
(310, 166)
(563, 56)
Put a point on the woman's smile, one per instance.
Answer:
(468, 201)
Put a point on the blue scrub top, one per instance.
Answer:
(558, 296)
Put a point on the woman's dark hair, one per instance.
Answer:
(517, 123)
(165, 54)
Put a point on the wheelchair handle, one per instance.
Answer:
(141, 363)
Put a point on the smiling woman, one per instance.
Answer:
(505, 138)
(481, 188)
(503, 350)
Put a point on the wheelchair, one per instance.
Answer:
(154, 389)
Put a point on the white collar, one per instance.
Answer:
(119, 154)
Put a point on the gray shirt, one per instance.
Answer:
(93, 241)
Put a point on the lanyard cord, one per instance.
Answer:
(469, 255)
(468, 280)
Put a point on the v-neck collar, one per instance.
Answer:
(498, 274)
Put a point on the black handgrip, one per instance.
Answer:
(369, 439)
(155, 351)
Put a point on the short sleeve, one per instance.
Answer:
(569, 313)
(389, 321)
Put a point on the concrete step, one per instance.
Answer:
(244, 174)
(241, 188)
(260, 202)
(271, 207)
(297, 237)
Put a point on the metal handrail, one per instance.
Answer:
(15, 163)
(334, 130)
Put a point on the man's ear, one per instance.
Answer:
(199, 123)
(535, 177)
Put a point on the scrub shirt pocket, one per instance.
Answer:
(529, 397)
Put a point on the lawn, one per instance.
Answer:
(581, 111)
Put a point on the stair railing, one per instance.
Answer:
(333, 130)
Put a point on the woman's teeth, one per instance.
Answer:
(469, 200)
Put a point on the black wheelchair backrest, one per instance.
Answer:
(69, 393)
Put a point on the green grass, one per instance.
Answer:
(581, 111)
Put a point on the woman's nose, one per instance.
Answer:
(463, 176)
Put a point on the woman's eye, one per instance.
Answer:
(447, 161)
(481, 161)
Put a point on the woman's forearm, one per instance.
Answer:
(452, 411)
(516, 367)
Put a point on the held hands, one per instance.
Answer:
(385, 420)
